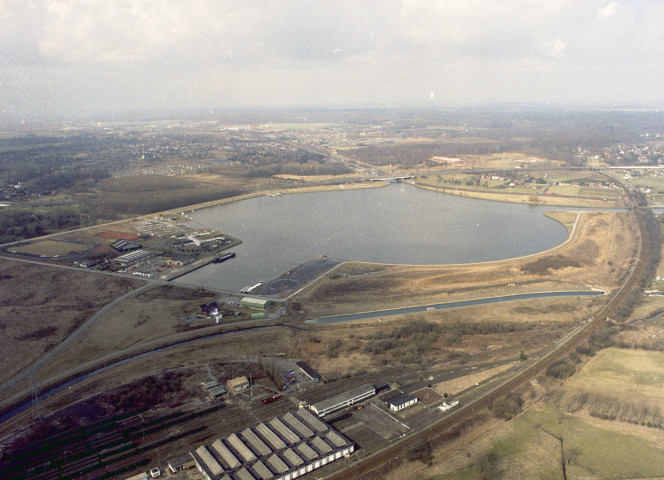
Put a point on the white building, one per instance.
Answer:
(402, 401)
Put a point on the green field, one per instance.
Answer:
(50, 248)
(615, 370)
(656, 183)
(529, 446)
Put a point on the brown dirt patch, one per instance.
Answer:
(460, 384)
(495, 331)
(42, 305)
(152, 314)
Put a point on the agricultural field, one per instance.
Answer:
(552, 187)
(649, 181)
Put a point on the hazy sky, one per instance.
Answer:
(77, 57)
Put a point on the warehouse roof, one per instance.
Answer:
(277, 464)
(209, 460)
(320, 445)
(344, 399)
(262, 471)
(270, 437)
(284, 431)
(256, 443)
(306, 452)
(259, 453)
(241, 448)
(297, 426)
(312, 420)
(226, 454)
(243, 474)
(255, 301)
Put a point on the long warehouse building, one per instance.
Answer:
(283, 448)
(343, 400)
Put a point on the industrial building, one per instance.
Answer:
(308, 371)
(133, 258)
(343, 400)
(255, 303)
(401, 401)
(180, 260)
(283, 448)
(124, 246)
(181, 462)
(214, 389)
(237, 384)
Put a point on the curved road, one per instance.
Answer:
(32, 368)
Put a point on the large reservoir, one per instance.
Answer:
(394, 224)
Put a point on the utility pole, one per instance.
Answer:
(36, 410)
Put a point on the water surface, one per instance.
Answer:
(394, 224)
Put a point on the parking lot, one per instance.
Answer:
(381, 422)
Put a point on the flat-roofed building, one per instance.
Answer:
(181, 462)
(401, 401)
(133, 258)
(260, 453)
(343, 400)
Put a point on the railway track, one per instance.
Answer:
(470, 409)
